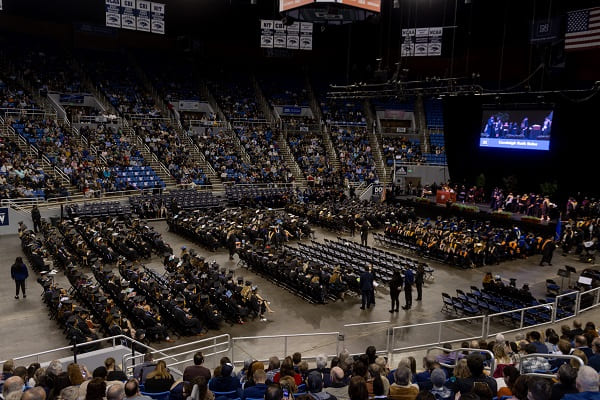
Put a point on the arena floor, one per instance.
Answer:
(26, 328)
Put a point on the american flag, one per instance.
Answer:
(583, 29)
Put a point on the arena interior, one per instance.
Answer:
(249, 185)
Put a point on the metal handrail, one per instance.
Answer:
(594, 304)
(195, 349)
(546, 356)
(285, 337)
(440, 324)
(550, 306)
(78, 345)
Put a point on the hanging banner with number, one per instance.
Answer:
(279, 37)
(128, 14)
(306, 38)
(157, 13)
(113, 13)
(143, 15)
(266, 33)
(422, 42)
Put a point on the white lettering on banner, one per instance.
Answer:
(294, 28)
(143, 15)
(306, 27)
(422, 42)
(128, 16)
(266, 33)
(113, 13)
(157, 23)
(278, 26)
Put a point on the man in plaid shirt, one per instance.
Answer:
(533, 364)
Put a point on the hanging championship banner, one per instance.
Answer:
(128, 14)
(279, 38)
(266, 33)
(157, 24)
(306, 32)
(293, 37)
(408, 42)
(434, 47)
(421, 41)
(143, 16)
(0, 4)
(113, 13)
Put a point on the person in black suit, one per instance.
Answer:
(419, 280)
(366, 288)
(395, 288)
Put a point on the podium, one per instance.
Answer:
(443, 196)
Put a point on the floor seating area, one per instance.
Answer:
(98, 209)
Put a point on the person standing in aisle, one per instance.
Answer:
(419, 279)
(395, 288)
(36, 217)
(409, 279)
(18, 272)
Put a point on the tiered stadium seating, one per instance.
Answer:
(401, 148)
(434, 114)
(354, 153)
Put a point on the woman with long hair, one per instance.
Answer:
(96, 389)
(357, 389)
(159, 380)
(75, 375)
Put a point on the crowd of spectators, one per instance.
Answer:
(220, 151)
(463, 372)
(343, 112)
(237, 98)
(262, 148)
(20, 175)
(49, 71)
(13, 96)
(355, 155)
(402, 149)
(162, 140)
(310, 154)
(121, 85)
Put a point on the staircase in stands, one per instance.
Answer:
(183, 136)
(316, 109)
(373, 134)
(290, 162)
(149, 157)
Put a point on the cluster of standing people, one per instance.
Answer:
(399, 281)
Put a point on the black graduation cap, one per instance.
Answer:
(204, 298)
(67, 301)
(248, 283)
(179, 299)
(165, 292)
(139, 299)
(240, 281)
(190, 287)
(115, 314)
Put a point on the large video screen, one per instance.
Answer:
(372, 5)
(525, 129)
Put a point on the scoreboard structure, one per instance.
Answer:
(330, 11)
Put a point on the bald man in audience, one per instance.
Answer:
(587, 384)
(12, 384)
(115, 392)
(35, 393)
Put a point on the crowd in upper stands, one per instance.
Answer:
(466, 372)
(355, 155)
(401, 148)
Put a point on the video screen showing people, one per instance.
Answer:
(516, 129)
